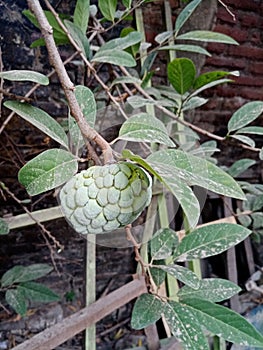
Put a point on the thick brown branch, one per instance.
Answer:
(67, 85)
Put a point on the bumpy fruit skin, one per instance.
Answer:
(105, 198)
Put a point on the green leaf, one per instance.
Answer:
(163, 243)
(4, 229)
(184, 326)
(209, 77)
(108, 8)
(164, 36)
(185, 14)
(181, 74)
(244, 139)
(194, 102)
(207, 36)
(38, 292)
(87, 103)
(11, 276)
(211, 289)
(48, 170)
(25, 75)
(186, 48)
(117, 57)
(79, 38)
(146, 128)
(40, 120)
(158, 275)
(17, 300)
(196, 171)
(183, 274)
(133, 49)
(19, 273)
(240, 166)
(210, 240)
(126, 80)
(147, 310)
(245, 115)
(257, 220)
(58, 33)
(131, 39)
(224, 322)
(210, 85)
(81, 15)
(258, 203)
(182, 192)
(257, 130)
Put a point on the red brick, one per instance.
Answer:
(238, 34)
(250, 81)
(243, 4)
(251, 93)
(256, 67)
(251, 20)
(246, 51)
(227, 62)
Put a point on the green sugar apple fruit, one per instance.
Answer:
(104, 198)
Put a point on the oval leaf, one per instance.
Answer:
(185, 14)
(211, 289)
(4, 228)
(187, 48)
(210, 240)
(87, 103)
(39, 119)
(12, 275)
(146, 128)
(79, 38)
(181, 74)
(163, 243)
(38, 292)
(245, 115)
(48, 170)
(207, 36)
(147, 310)
(118, 57)
(130, 39)
(196, 171)
(81, 14)
(240, 166)
(182, 274)
(257, 130)
(224, 322)
(184, 326)
(182, 192)
(25, 75)
(244, 139)
(17, 300)
(108, 8)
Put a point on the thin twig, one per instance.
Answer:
(85, 60)
(67, 85)
(228, 10)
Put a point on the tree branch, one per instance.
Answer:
(67, 85)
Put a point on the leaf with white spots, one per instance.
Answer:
(210, 240)
(145, 128)
(147, 310)
(245, 115)
(182, 192)
(25, 75)
(40, 120)
(48, 170)
(212, 289)
(163, 243)
(195, 170)
(185, 326)
(224, 322)
(182, 274)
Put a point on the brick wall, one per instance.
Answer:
(246, 27)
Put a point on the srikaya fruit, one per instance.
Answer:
(105, 198)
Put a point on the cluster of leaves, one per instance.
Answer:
(177, 168)
(20, 289)
(195, 303)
